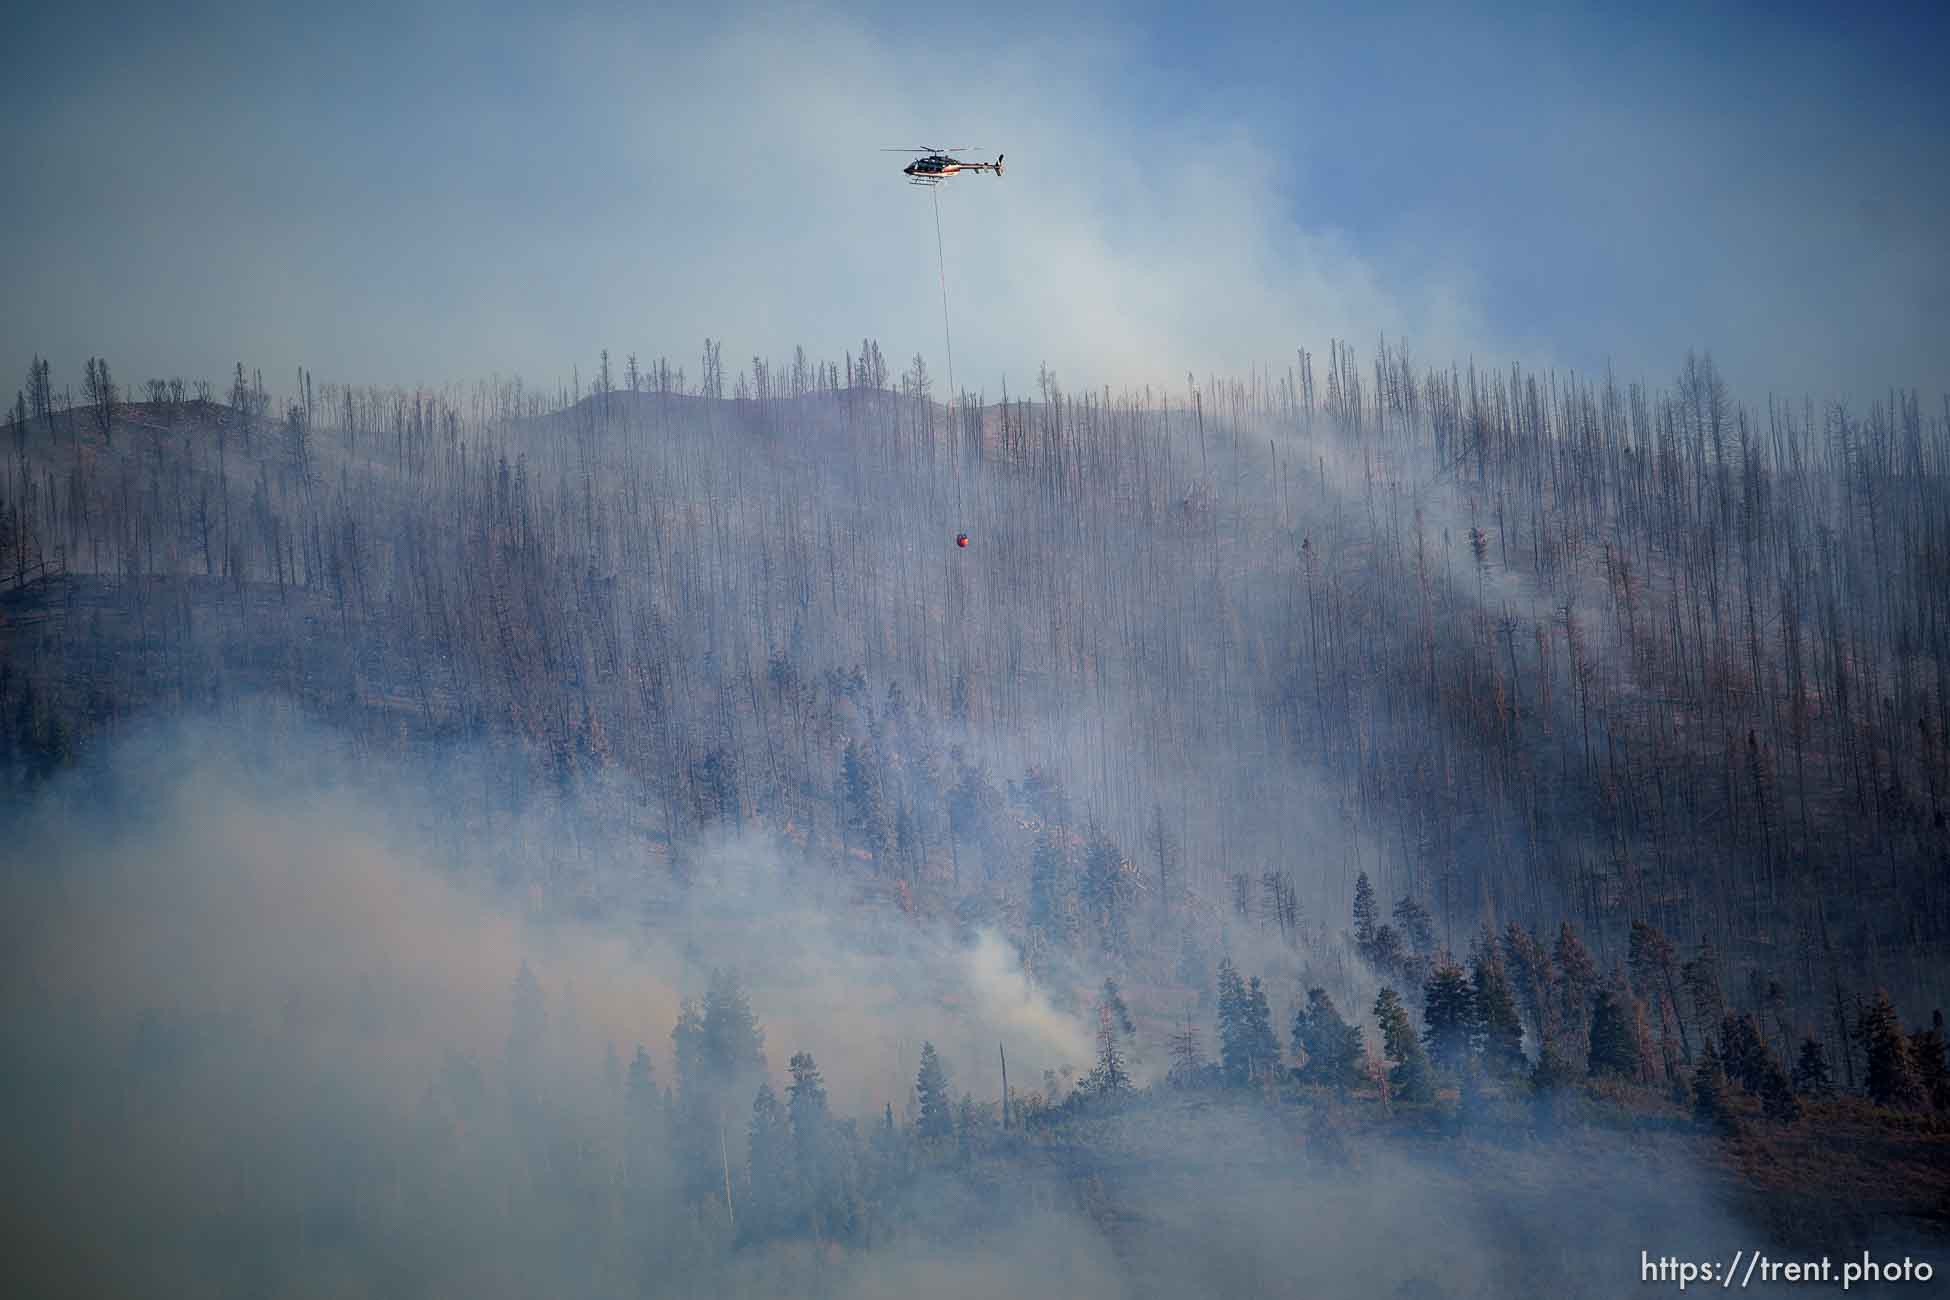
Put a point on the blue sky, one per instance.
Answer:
(433, 192)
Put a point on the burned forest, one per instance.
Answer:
(610, 839)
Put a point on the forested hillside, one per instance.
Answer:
(1454, 741)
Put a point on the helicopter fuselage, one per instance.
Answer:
(936, 168)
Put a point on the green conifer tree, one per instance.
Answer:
(1328, 1046)
(1614, 1046)
(1409, 1078)
(1496, 1028)
(1892, 1077)
(1926, 1047)
(1367, 912)
(937, 1106)
(1811, 1075)
(1447, 1016)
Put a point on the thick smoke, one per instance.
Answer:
(259, 1037)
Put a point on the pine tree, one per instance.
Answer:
(1892, 1079)
(814, 1157)
(1926, 1046)
(1330, 1048)
(1103, 891)
(1614, 1046)
(1777, 1099)
(764, 1212)
(1263, 1043)
(937, 1106)
(1811, 1074)
(1052, 915)
(1701, 978)
(1577, 980)
(973, 808)
(1367, 913)
(1496, 1028)
(733, 1042)
(1114, 1027)
(1447, 1016)
(1552, 1072)
(1417, 927)
(1742, 1053)
(867, 815)
(1387, 956)
(1530, 976)
(1235, 1031)
(1709, 1090)
(1410, 1078)
(1110, 1078)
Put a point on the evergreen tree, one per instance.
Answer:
(1577, 980)
(1892, 1079)
(1386, 954)
(1530, 976)
(765, 1212)
(1742, 1053)
(1102, 893)
(1329, 1047)
(865, 802)
(1113, 997)
(974, 807)
(694, 1118)
(1496, 1028)
(1777, 1099)
(1614, 1046)
(1811, 1074)
(1110, 1078)
(1051, 913)
(733, 1043)
(1701, 979)
(1417, 927)
(1447, 1015)
(1709, 1090)
(907, 842)
(1552, 1072)
(814, 1145)
(1235, 1029)
(1926, 1046)
(1409, 1078)
(1367, 912)
(1262, 1041)
(937, 1106)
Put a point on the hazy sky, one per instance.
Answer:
(427, 192)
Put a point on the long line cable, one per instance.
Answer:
(954, 397)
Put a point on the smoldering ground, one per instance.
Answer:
(257, 1040)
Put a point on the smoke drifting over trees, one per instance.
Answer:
(596, 842)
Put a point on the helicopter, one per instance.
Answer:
(936, 165)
